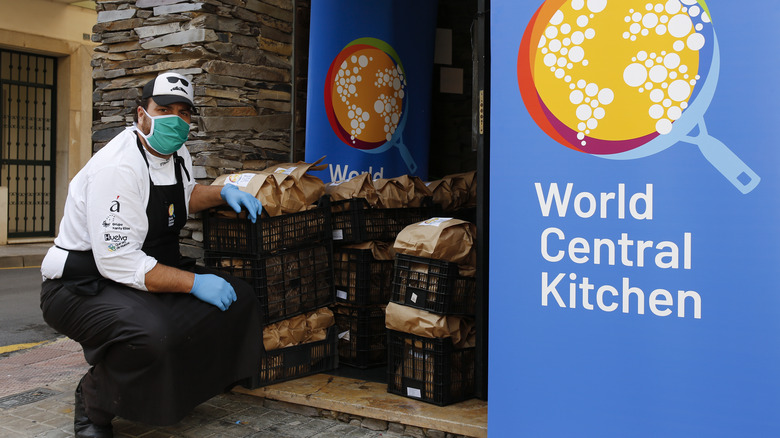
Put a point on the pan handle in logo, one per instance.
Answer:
(407, 156)
(727, 163)
(397, 141)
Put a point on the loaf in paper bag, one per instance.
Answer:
(430, 325)
(441, 238)
(261, 185)
(359, 186)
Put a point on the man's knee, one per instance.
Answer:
(141, 342)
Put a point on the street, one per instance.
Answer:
(20, 314)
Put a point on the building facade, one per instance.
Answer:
(45, 54)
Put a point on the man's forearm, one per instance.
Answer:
(204, 197)
(164, 278)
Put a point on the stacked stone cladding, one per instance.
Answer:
(238, 55)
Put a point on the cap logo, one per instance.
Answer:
(169, 88)
(172, 85)
(173, 80)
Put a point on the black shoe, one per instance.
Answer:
(83, 426)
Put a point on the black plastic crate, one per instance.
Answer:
(431, 370)
(297, 361)
(360, 279)
(362, 336)
(239, 236)
(433, 285)
(287, 283)
(354, 220)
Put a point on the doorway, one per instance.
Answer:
(459, 138)
(28, 92)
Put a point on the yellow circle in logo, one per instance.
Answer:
(619, 70)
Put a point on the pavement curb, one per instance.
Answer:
(23, 255)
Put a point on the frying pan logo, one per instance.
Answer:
(366, 98)
(625, 79)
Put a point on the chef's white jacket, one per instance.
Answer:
(105, 210)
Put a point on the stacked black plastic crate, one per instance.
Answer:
(288, 261)
(363, 282)
(433, 370)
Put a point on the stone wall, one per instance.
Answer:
(238, 55)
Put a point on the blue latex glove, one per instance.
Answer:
(235, 198)
(213, 290)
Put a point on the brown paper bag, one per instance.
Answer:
(391, 193)
(464, 188)
(298, 190)
(292, 331)
(271, 339)
(300, 329)
(448, 239)
(442, 194)
(414, 189)
(319, 319)
(318, 323)
(360, 186)
(261, 185)
(380, 250)
(248, 182)
(429, 325)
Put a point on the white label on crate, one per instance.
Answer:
(341, 294)
(284, 171)
(239, 179)
(338, 234)
(413, 392)
(414, 298)
(344, 335)
(434, 221)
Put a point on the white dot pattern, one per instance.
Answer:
(648, 71)
(388, 107)
(660, 76)
(561, 54)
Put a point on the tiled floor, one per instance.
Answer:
(41, 366)
(318, 406)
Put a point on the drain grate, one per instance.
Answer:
(27, 397)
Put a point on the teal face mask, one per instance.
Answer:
(168, 133)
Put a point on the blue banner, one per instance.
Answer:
(369, 91)
(634, 219)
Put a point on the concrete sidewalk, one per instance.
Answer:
(36, 400)
(23, 255)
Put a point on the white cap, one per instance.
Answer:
(168, 88)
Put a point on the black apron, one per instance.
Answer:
(167, 213)
(155, 356)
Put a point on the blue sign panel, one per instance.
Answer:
(634, 219)
(370, 69)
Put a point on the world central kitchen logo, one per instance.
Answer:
(625, 79)
(366, 98)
